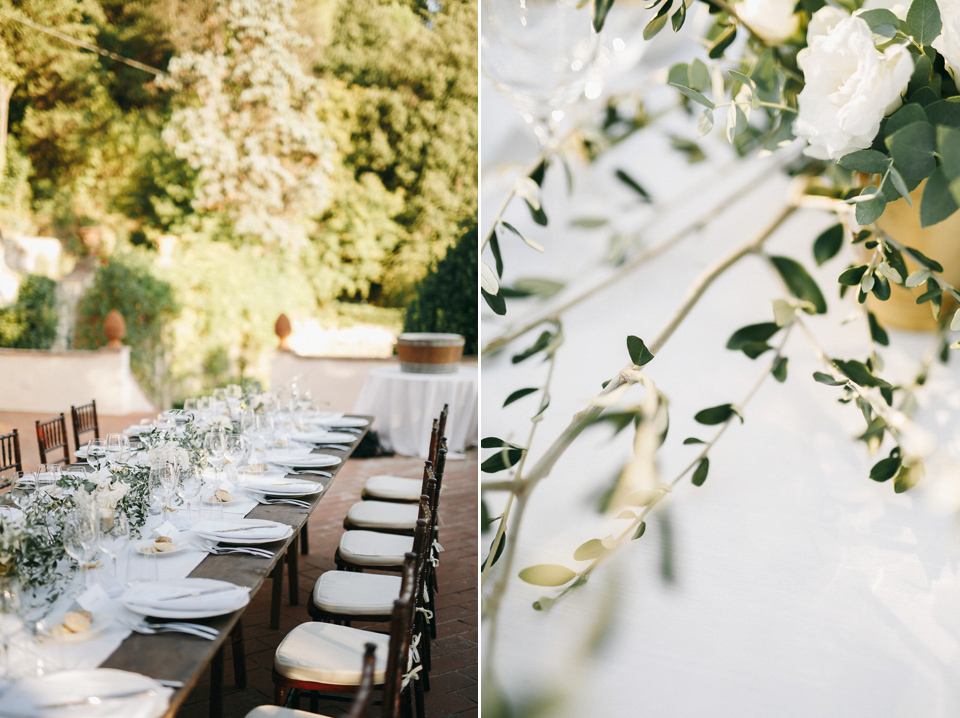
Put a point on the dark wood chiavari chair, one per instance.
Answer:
(84, 421)
(52, 435)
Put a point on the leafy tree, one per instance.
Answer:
(251, 131)
(403, 107)
(446, 299)
(31, 321)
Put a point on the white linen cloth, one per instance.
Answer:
(405, 405)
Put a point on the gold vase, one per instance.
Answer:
(940, 242)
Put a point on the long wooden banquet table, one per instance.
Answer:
(180, 657)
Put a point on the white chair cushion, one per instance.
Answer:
(328, 653)
(362, 594)
(370, 548)
(393, 487)
(278, 712)
(383, 515)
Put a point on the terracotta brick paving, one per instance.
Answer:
(453, 680)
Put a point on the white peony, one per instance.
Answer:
(948, 42)
(849, 87)
(169, 452)
(824, 21)
(773, 20)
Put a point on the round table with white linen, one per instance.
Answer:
(405, 403)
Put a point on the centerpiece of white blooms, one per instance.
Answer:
(864, 101)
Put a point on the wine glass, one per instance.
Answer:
(234, 449)
(23, 489)
(114, 448)
(538, 54)
(48, 475)
(215, 444)
(114, 535)
(96, 453)
(10, 619)
(81, 540)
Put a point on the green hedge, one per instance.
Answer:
(31, 321)
(127, 283)
(446, 299)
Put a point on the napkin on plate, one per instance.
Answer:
(160, 595)
(258, 529)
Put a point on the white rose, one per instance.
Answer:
(824, 20)
(849, 87)
(773, 20)
(948, 42)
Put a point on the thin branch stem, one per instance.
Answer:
(701, 221)
(586, 417)
(664, 490)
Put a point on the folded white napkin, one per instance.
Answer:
(313, 460)
(255, 529)
(186, 595)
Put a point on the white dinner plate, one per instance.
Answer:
(354, 422)
(311, 461)
(284, 486)
(221, 530)
(141, 548)
(262, 475)
(325, 437)
(221, 597)
(277, 455)
(28, 696)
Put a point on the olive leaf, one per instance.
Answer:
(547, 574)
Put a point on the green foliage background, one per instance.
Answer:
(31, 321)
(446, 299)
(85, 149)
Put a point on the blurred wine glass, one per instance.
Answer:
(538, 54)
(81, 540)
(96, 453)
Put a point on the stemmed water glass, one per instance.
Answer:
(10, 618)
(96, 453)
(23, 489)
(235, 449)
(81, 539)
(114, 535)
(117, 447)
(215, 444)
(538, 54)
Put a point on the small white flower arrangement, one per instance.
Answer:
(169, 452)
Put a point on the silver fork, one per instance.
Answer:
(307, 471)
(193, 629)
(293, 502)
(224, 550)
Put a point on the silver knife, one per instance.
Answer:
(198, 593)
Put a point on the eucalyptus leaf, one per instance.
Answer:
(823, 378)
(632, 184)
(547, 574)
(800, 284)
(639, 354)
(716, 415)
(501, 461)
(700, 473)
(600, 10)
(859, 373)
(492, 442)
(923, 21)
(914, 149)
(519, 394)
(705, 123)
(641, 529)
(870, 205)
(529, 242)
(937, 202)
(697, 97)
(779, 369)
(852, 276)
(877, 332)
(722, 42)
(589, 550)
(495, 249)
(828, 243)
(869, 161)
(495, 302)
(699, 75)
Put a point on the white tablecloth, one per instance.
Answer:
(405, 405)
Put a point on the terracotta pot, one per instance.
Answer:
(940, 242)
(425, 353)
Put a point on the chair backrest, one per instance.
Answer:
(434, 438)
(442, 421)
(84, 421)
(10, 451)
(51, 435)
(362, 697)
(401, 629)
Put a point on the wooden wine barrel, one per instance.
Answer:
(425, 353)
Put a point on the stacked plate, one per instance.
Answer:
(281, 486)
(242, 531)
(98, 692)
(325, 437)
(353, 422)
(309, 461)
(185, 598)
